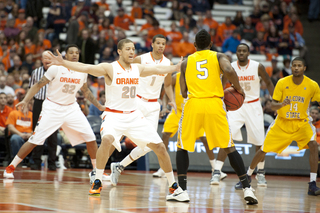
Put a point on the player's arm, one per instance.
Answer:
(183, 84)
(158, 69)
(265, 77)
(32, 91)
(137, 60)
(275, 105)
(102, 69)
(169, 90)
(228, 70)
(89, 96)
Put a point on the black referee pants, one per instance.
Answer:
(51, 140)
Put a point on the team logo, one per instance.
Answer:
(305, 88)
(287, 87)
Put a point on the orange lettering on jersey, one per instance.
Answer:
(162, 75)
(127, 81)
(247, 78)
(70, 80)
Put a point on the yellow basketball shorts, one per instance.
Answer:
(282, 132)
(206, 113)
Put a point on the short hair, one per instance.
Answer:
(122, 42)
(158, 36)
(101, 93)
(244, 44)
(71, 45)
(203, 39)
(299, 59)
(2, 93)
(311, 108)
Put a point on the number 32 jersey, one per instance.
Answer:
(64, 84)
(248, 79)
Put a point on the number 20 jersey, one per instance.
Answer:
(121, 93)
(248, 79)
(64, 84)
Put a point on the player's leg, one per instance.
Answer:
(165, 138)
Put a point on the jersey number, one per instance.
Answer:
(294, 106)
(129, 92)
(245, 85)
(67, 88)
(153, 80)
(203, 70)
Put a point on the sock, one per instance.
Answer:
(260, 165)
(126, 161)
(16, 160)
(313, 177)
(93, 162)
(237, 164)
(170, 178)
(218, 165)
(182, 162)
(99, 173)
(212, 162)
(250, 171)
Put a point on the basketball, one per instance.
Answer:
(233, 99)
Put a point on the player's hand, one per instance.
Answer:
(52, 59)
(164, 111)
(23, 107)
(285, 102)
(179, 64)
(241, 91)
(102, 108)
(174, 106)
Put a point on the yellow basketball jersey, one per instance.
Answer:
(203, 75)
(300, 96)
(177, 92)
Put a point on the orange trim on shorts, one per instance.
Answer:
(255, 100)
(60, 104)
(147, 100)
(118, 111)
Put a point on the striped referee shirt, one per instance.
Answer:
(36, 75)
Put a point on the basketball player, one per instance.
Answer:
(250, 113)
(121, 116)
(291, 97)
(200, 82)
(60, 109)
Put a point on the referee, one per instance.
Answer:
(36, 75)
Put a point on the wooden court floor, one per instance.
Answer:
(67, 191)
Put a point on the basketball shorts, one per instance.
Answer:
(150, 111)
(133, 125)
(282, 132)
(251, 115)
(73, 122)
(171, 124)
(206, 113)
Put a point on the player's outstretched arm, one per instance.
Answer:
(89, 96)
(183, 84)
(265, 77)
(169, 90)
(102, 69)
(23, 105)
(158, 69)
(228, 70)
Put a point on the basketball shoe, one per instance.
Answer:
(116, 170)
(177, 194)
(313, 189)
(105, 176)
(92, 176)
(249, 196)
(238, 186)
(215, 179)
(159, 174)
(8, 172)
(261, 178)
(96, 188)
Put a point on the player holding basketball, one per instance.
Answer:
(121, 116)
(200, 82)
(60, 109)
(291, 97)
(250, 113)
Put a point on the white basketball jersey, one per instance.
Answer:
(64, 84)
(150, 86)
(121, 94)
(249, 79)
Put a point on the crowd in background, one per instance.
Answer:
(272, 29)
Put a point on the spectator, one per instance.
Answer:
(41, 44)
(103, 4)
(93, 110)
(28, 62)
(8, 59)
(11, 83)
(192, 34)
(255, 16)
(121, 35)
(201, 25)
(299, 42)
(185, 48)
(148, 25)
(231, 43)
(268, 113)
(313, 13)
(235, 2)
(94, 33)
(273, 39)
(238, 19)
(274, 65)
(10, 31)
(226, 29)
(29, 47)
(264, 7)
(20, 126)
(106, 25)
(155, 30)
(9, 6)
(37, 63)
(16, 64)
(286, 68)
(136, 11)
(76, 10)
(247, 31)
(275, 76)
(287, 18)
(199, 7)
(285, 44)
(87, 47)
(106, 55)
(115, 7)
(76, 26)
(21, 38)
(56, 18)
(34, 11)
(4, 88)
(10, 100)
(264, 92)
(29, 28)
(174, 35)
(4, 112)
(123, 21)
(298, 28)
(20, 93)
(213, 24)
(283, 9)
(276, 17)
(216, 40)
(82, 103)
(264, 23)
(147, 8)
(21, 20)
(98, 86)
(17, 79)
(175, 13)
(314, 113)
